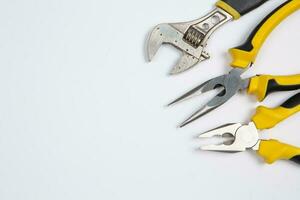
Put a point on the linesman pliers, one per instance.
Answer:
(246, 136)
(243, 58)
(191, 37)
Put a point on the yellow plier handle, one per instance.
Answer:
(245, 55)
(273, 150)
(265, 118)
(263, 85)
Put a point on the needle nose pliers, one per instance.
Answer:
(243, 58)
(246, 136)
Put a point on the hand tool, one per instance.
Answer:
(243, 58)
(246, 136)
(191, 37)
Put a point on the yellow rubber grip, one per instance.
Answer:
(262, 85)
(266, 118)
(273, 150)
(245, 55)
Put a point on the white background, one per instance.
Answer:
(82, 113)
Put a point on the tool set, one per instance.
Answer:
(243, 58)
(191, 38)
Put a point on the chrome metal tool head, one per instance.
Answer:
(244, 137)
(229, 84)
(189, 37)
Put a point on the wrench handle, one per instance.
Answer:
(237, 8)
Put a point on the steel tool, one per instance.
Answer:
(246, 136)
(243, 58)
(191, 37)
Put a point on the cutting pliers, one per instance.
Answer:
(243, 58)
(246, 136)
(191, 37)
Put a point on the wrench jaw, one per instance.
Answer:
(189, 37)
(188, 61)
(185, 62)
(163, 34)
(174, 34)
(156, 39)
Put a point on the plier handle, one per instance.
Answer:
(246, 136)
(244, 56)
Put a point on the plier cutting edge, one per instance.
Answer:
(246, 136)
(243, 58)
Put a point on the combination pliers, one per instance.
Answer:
(246, 136)
(243, 58)
(191, 37)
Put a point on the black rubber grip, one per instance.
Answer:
(244, 6)
(273, 86)
(296, 159)
(247, 46)
(292, 102)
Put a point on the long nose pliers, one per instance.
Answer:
(243, 58)
(246, 136)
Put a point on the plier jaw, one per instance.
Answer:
(243, 137)
(228, 84)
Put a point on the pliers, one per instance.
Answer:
(191, 37)
(246, 136)
(243, 58)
